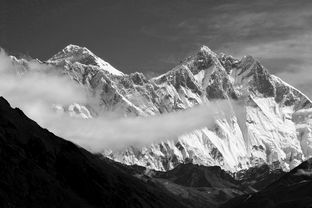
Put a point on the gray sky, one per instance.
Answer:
(153, 35)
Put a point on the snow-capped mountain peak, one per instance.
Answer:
(73, 53)
(206, 49)
(206, 58)
(260, 131)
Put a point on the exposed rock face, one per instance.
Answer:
(258, 129)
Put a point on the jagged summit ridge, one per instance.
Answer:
(73, 53)
(263, 132)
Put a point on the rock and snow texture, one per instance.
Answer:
(303, 120)
(76, 54)
(269, 121)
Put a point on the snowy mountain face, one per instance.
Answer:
(269, 121)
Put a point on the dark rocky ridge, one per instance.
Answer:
(200, 176)
(293, 189)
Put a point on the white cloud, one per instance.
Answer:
(40, 85)
(36, 91)
(105, 131)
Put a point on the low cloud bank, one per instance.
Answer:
(102, 132)
(38, 88)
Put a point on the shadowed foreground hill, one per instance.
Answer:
(39, 169)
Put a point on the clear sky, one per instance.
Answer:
(152, 36)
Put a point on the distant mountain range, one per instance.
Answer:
(271, 124)
(242, 158)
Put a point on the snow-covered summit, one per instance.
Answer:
(82, 55)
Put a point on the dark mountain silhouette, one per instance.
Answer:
(39, 169)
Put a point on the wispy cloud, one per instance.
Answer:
(104, 132)
(40, 88)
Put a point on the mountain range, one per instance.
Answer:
(264, 132)
(267, 120)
